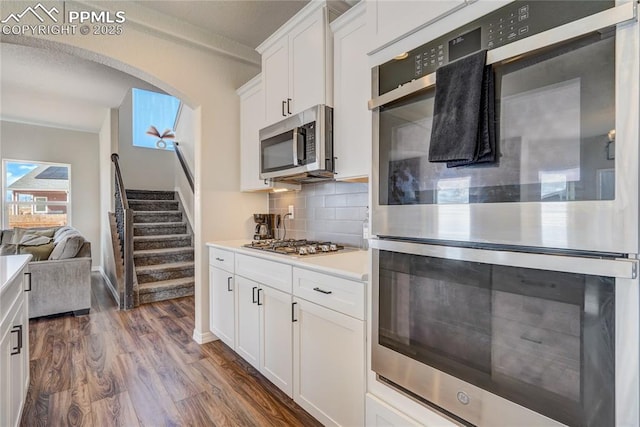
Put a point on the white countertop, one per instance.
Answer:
(350, 264)
(10, 266)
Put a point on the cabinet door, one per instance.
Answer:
(275, 81)
(329, 364)
(308, 63)
(251, 121)
(222, 313)
(13, 367)
(352, 90)
(276, 354)
(6, 344)
(248, 321)
(379, 414)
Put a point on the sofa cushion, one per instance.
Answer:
(67, 246)
(38, 252)
(8, 249)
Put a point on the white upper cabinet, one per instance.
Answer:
(390, 20)
(251, 121)
(297, 63)
(352, 90)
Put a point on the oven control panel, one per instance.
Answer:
(511, 23)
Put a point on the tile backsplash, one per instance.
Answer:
(329, 210)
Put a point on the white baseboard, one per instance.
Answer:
(203, 337)
(110, 287)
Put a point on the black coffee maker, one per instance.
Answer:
(264, 226)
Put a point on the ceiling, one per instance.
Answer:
(60, 90)
(247, 22)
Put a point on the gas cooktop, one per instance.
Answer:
(295, 247)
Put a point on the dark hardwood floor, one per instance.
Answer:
(141, 368)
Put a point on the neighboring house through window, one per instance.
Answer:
(36, 194)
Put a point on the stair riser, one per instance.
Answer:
(150, 195)
(150, 217)
(153, 206)
(161, 244)
(160, 230)
(165, 294)
(164, 258)
(154, 276)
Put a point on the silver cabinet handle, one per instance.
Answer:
(229, 284)
(220, 259)
(289, 106)
(322, 291)
(29, 281)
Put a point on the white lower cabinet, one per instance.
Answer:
(303, 330)
(329, 364)
(248, 321)
(379, 414)
(276, 344)
(264, 331)
(222, 305)
(14, 343)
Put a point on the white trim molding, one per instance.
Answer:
(203, 337)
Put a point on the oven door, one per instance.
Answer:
(508, 338)
(567, 174)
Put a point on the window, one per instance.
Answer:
(36, 194)
(157, 110)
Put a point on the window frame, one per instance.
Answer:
(6, 203)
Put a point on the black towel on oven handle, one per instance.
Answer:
(463, 123)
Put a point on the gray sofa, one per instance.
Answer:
(60, 268)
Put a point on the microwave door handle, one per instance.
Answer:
(299, 145)
(296, 135)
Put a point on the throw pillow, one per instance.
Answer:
(39, 252)
(8, 249)
(67, 248)
(48, 232)
(30, 239)
(63, 233)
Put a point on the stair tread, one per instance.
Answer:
(158, 213)
(163, 251)
(165, 283)
(166, 266)
(158, 224)
(162, 237)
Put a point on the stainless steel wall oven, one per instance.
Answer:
(507, 293)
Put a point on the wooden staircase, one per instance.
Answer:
(162, 246)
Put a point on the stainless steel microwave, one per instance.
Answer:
(299, 148)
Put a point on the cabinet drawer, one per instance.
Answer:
(221, 258)
(345, 296)
(270, 273)
(10, 294)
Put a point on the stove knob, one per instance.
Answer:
(333, 247)
(324, 248)
(311, 249)
(302, 250)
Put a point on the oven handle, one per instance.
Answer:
(613, 267)
(563, 33)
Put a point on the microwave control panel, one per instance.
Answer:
(511, 23)
(310, 143)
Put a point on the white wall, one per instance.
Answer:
(201, 78)
(142, 168)
(108, 144)
(187, 126)
(80, 150)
